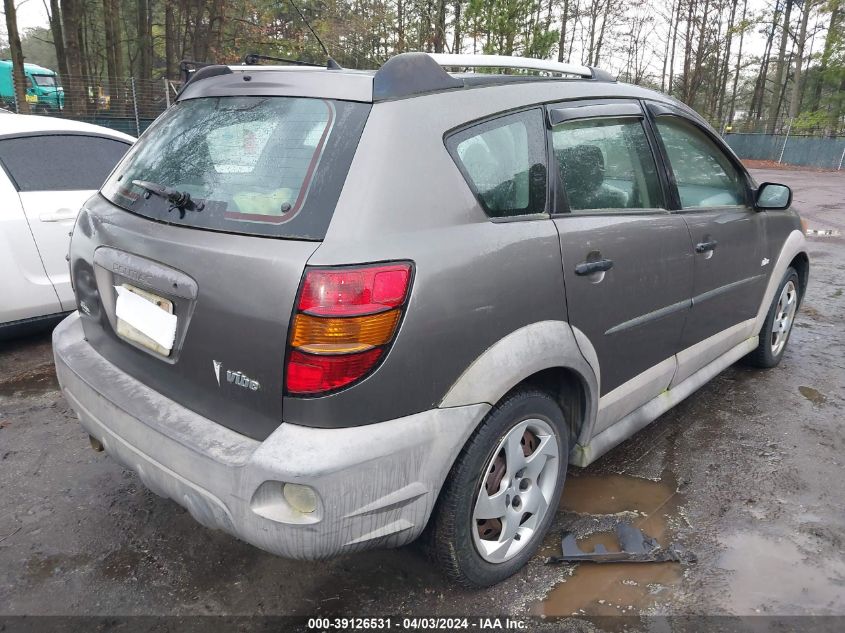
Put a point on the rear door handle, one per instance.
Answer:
(704, 247)
(60, 215)
(588, 268)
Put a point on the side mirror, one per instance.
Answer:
(773, 196)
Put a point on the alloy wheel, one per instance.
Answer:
(784, 317)
(515, 492)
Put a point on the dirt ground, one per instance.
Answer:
(747, 473)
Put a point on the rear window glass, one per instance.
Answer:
(504, 162)
(259, 165)
(58, 162)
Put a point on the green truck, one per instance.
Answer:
(43, 91)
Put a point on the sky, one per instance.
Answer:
(30, 13)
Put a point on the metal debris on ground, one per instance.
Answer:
(822, 233)
(635, 547)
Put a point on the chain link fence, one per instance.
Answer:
(808, 151)
(126, 104)
(817, 141)
(131, 105)
(816, 127)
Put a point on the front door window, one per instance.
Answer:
(706, 178)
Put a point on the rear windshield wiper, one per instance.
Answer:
(178, 199)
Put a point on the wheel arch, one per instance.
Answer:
(569, 389)
(801, 263)
(544, 354)
(792, 253)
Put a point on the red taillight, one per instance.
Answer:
(346, 318)
(339, 292)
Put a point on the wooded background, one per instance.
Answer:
(747, 65)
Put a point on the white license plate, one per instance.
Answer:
(146, 319)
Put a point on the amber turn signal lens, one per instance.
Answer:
(321, 335)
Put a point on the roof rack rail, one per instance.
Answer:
(187, 68)
(507, 61)
(191, 71)
(410, 74)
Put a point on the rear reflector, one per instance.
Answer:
(346, 319)
(312, 373)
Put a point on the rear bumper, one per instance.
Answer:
(376, 484)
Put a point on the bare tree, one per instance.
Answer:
(670, 20)
(75, 89)
(743, 27)
(757, 99)
(797, 79)
(689, 36)
(170, 56)
(54, 16)
(18, 76)
(144, 42)
(777, 86)
(458, 33)
(701, 54)
(675, 23)
(439, 38)
(837, 15)
(114, 51)
(400, 26)
(723, 81)
(564, 20)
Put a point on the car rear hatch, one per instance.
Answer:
(187, 265)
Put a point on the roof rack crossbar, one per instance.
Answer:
(506, 61)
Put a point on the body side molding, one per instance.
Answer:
(693, 358)
(585, 454)
(631, 395)
(642, 319)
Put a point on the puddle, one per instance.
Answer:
(813, 395)
(811, 313)
(40, 567)
(616, 588)
(609, 494)
(813, 585)
(120, 564)
(36, 381)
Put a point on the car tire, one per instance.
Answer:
(774, 335)
(466, 547)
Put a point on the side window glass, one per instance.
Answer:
(60, 162)
(504, 161)
(704, 174)
(606, 164)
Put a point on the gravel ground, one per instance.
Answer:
(747, 473)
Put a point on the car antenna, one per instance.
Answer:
(332, 64)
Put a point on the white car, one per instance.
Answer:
(48, 168)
